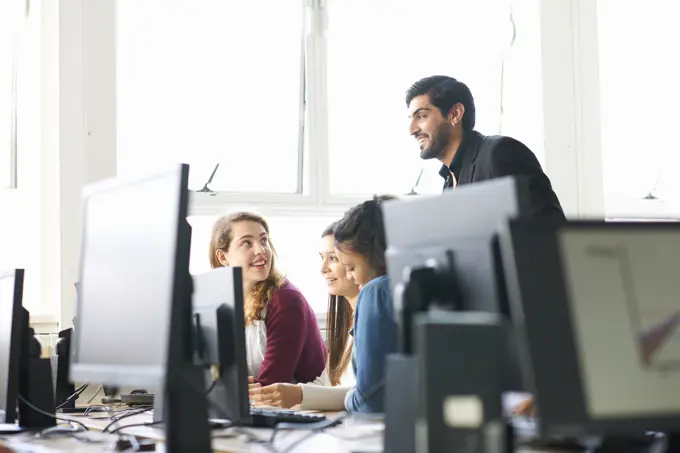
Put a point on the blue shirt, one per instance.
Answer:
(375, 336)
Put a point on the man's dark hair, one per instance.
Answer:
(444, 93)
(361, 231)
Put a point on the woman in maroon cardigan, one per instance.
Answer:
(283, 340)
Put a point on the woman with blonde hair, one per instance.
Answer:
(283, 340)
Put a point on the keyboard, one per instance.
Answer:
(525, 427)
(268, 418)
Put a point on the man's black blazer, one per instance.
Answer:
(487, 157)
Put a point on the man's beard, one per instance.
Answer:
(437, 143)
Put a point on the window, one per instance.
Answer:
(522, 78)
(295, 239)
(208, 81)
(9, 20)
(370, 68)
(639, 98)
(222, 82)
(21, 115)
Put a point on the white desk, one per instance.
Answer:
(344, 439)
(352, 436)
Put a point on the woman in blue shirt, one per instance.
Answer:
(360, 246)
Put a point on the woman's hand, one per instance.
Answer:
(279, 395)
(252, 384)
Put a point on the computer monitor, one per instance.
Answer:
(457, 232)
(11, 332)
(25, 378)
(134, 309)
(128, 278)
(220, 327)
(597, 303)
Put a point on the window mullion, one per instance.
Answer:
(303, 106)
(316, 101)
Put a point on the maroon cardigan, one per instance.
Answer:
(295, 350)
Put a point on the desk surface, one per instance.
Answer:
(354, 435)
(351, 436)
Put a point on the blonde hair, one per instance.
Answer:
(222, 235)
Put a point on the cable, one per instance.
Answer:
(96, 408)
(212, 386)
(115, 419)
(74, 395)
(313, 427)
(62, 430)
(129, 412)
(253, 439)
(304, 438)
(134, 425)
(47, 414)
(99, 389)
(223, 412)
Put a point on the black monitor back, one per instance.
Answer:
(466, 222)
(219, 328)
(13, 327)
(457, 233)
(64, 388)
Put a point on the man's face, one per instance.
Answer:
(428, 127)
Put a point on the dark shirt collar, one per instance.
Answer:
(456, 163)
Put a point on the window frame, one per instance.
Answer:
(571, 135)
(642, 208)
(304, 195)
(13, 154)
(314, 195)
(9, 153)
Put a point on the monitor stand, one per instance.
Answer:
(35, 385)
(185, 406)
(185, 412)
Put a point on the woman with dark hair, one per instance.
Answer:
(328, 391)
(360, 245)
(283, 340)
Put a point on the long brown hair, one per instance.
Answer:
(339, 320)
(222, 235)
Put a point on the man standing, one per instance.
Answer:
(442, 113)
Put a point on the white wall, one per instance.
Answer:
(62, 147)
(86, 141)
